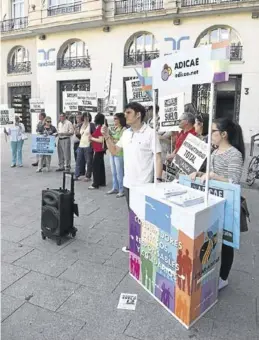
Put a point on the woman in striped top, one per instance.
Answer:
(226, 166)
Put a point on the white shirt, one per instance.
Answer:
(138, 151)
(65, 127)
(16, 132)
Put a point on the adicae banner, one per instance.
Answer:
(182, 69)
(171, 108)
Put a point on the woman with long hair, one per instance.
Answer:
(98, 144)
(117, 165)
(202, 126)
(226, 165)
(85, 151)
(47, 130)
(16, 132)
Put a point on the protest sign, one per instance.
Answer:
(70, 101)
(127, 301)
(136, 94)
(43, 145)
(171, 108)
(4, 116)
(182, 69)
(191, 155)
(231, 192)
(87, 101)
(37, 107)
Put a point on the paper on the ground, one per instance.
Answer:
(128, 301)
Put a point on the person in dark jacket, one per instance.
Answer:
(47, 130)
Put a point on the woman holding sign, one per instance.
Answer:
(17, 137)
(227, 166)
(47, 130)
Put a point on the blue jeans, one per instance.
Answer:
(117, 167)
(17, 152)
(84, 158)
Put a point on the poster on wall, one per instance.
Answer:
(135, 93)
(171, 108)
(43, 145)
(191, 155)
(178, 270)
(231, 192)
(182, 69)
(70, 101)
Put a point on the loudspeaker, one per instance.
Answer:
(57, 211)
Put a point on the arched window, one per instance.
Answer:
(219, 33)
(18, 60)
(73, 55)
(140, 47)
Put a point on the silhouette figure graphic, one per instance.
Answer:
(180, 271)
(187, 269)
(147, 272)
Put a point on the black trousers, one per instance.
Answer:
(76, 145)
(99, 178)
(227, 258)
(127, 193)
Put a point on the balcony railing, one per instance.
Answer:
(188, 3)
(139, 57)
(136, 6)
(64, 9)
(14, 24)
(236, 53)
(74, 63)
(23, 67)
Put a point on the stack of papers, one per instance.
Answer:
(187, 199)
(174, 191)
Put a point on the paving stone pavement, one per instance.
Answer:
(71, 292)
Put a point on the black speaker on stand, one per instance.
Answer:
(57, 211)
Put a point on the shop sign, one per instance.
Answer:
(19, 84)
(45, 57)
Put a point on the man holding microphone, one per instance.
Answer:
(139, 146)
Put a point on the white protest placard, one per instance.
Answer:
(37, 106)
(135, 93)
(191, 155)
(127, 301)
(70, 101)
(171, 108)
(11, 115)
(182, 69)
(4, 116)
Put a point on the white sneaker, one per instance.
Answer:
(125, 249)
(222, 283)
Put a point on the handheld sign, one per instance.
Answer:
(43, 145)
(171, 107)
(231, 192)
(191, 155)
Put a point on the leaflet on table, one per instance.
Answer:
(232, 193)
(43, 145)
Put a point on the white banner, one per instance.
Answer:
(171, 108)
(182, 69)
(135, 93)
(70, 101)
(191, 155)
(37, 105)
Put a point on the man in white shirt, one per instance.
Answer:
(139, 146)
(65, 131)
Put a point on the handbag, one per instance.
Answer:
(24, 136)
(244, 215)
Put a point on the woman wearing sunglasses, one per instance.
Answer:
(117, 164)
(47, 130)
(227, 166)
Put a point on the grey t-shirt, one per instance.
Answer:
(228, 164)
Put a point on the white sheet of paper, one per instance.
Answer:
(127, 301)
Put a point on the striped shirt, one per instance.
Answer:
(228, 164)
